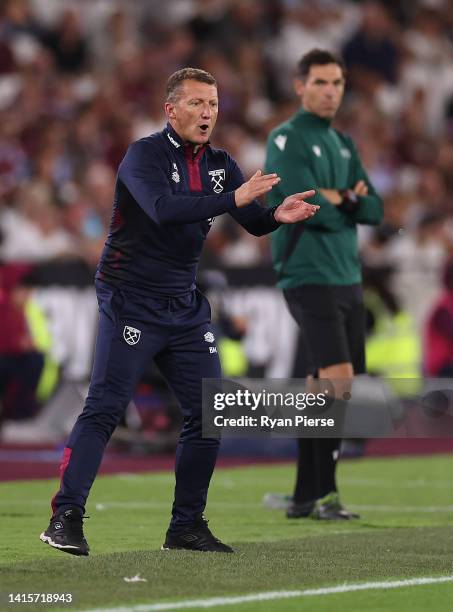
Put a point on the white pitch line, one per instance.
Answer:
(409, 509)
(405, 484)
(157, 505)
(269, 595)
(238, 505)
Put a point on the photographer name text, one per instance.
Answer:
(272, 423)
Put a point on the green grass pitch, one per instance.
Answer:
(406, 531)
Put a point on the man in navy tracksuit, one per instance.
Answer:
(170, 186)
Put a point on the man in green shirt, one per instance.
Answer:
(317, 262)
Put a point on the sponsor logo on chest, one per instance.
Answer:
(217, 179)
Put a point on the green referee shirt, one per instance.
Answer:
(308, 154)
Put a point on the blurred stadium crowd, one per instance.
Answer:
(80, 80)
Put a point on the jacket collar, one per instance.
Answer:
(315, 119)
(173, 137)
(176, 141)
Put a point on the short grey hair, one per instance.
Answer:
(177, 78)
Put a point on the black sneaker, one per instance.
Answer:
(65, 532)
(196, 537)
(295, 510)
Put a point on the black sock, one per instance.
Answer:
(326, 452)
(317, 461)
(305, 488)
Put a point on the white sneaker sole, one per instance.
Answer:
(48, 540)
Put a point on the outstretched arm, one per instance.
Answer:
(144, 178)
(258, 220)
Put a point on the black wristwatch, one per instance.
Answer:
(349, 200)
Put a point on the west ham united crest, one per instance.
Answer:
(217, 179)
(131, 334)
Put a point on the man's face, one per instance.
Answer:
(194, 114)
(322, 90)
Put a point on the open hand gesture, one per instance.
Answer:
(294, 208)
(255, 187)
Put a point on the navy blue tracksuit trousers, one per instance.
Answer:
(132, 330)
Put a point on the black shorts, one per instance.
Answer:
(331, 319)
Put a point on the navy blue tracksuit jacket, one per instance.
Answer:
(165, 202)
(166, 198)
